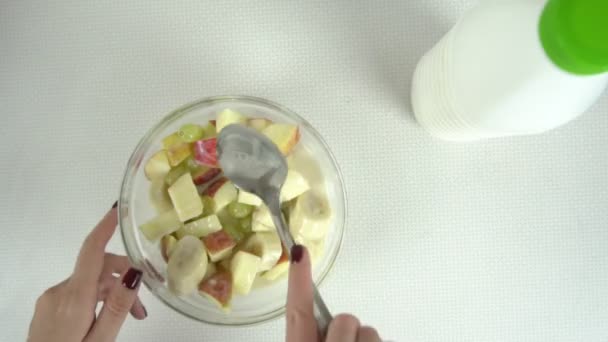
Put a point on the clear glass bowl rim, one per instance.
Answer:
(128, 238)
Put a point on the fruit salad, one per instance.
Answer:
(219, 241)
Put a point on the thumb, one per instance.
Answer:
(115, 309)
(301, 323)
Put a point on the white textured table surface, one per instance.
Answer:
(504, 240)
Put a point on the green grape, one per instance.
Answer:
(175, 173)
(235, 233)
(239, 210)
(230, 225)
(246, 224)
(190, 132)
(208, 205)
(209, 131)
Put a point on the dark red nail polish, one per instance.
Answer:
(115, 205)
(297, 251)
(132, 278)
(145, 311)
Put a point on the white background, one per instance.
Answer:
(504, 240)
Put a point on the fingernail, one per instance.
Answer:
(115, 205)
(145, 311)
(297, 251)
(132, 278)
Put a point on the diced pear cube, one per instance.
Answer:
(249, 198)
(163, 224)
(244, 267)
(203, 226)
(185, 198)
(228, 117)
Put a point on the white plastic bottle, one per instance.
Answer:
(513, 67)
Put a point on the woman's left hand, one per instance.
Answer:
(66, 311)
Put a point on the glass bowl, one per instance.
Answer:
(263, 303)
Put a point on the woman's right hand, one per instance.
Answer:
(301, 323)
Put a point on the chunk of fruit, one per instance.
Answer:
(163, 224)
(178, 153)
(185, 198)
(201, 227)
(244, 267)
(205, 152)
(295, 185)
(171, 140)
(259, 123)
(187, 265)
(310, 217)
(211, 270)
(219, 245)
(223, 192)
(190, 132)
(267, 246)
(167, 245)
(246, 225)
(208, 205)
(279, 269)
(224, 265)
(204, 175)
(159, 197)
(157, 166)
(285, 136)
(261, 220)
(218, 288)
(239, 210)
(249, 198)
(176, 172)
(209, 131)
(231, 225)
(229, 117)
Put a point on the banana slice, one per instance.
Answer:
(310, 217)
(295, 185)
(261, 220)
(187, 265)
(266, 245)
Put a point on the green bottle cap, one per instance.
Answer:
(574, 34)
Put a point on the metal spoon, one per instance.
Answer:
(254, 163)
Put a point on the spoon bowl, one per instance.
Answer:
(253, 163)
(250, 160)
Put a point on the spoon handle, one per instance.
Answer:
(322, 314)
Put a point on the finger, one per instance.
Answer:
(115, 265)
(368, 334)
(343, 328)
(115, 308)
(138, 310)
(301, 324)
(91, 258)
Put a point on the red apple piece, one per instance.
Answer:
(285, 136)
(219, 245)
(205, 152)
(204, 175)
(218, 288)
